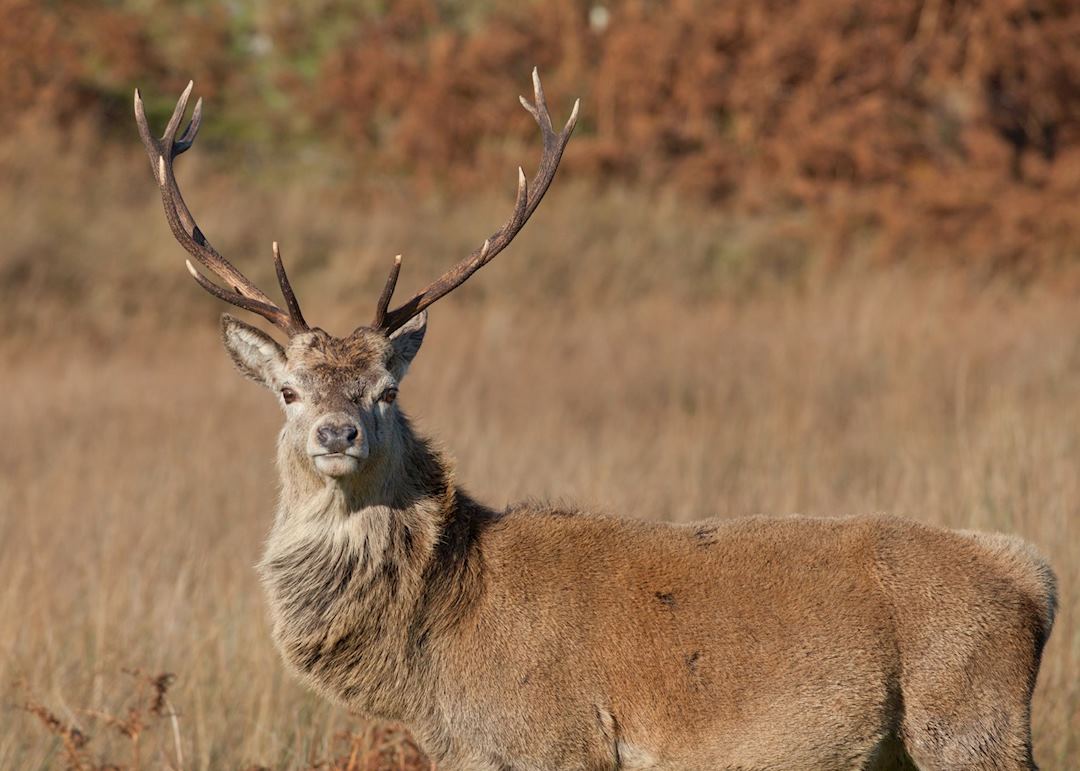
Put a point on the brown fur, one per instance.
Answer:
(539, 638)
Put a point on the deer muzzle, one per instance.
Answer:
(337, 445)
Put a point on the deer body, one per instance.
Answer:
(535, 638)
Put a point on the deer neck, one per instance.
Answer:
(406, 474)
(357, 573)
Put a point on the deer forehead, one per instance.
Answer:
(332, 361)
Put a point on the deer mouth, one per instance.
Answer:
(337, 464)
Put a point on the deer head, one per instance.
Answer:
(338, 393)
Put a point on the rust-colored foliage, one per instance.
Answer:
(39, 66)
(64, 62)
(939, 124)
(920, 128)
(149, 705)
(72, 739)
(370, 747)
(381, 747)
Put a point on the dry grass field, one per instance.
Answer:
(630, 353)
(137, 479)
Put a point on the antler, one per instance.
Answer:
(528, 198)
(241, 292)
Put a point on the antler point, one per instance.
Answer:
(572, 120)
(161, 170)
(187, 92)
(191, 269)
(140, 112)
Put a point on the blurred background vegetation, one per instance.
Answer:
(805, 133)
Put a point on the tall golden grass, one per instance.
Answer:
(617, 356)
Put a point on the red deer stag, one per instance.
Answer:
(541, 638)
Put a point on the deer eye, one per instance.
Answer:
(289, 395)
(389, 395)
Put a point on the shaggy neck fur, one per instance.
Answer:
(359, 571)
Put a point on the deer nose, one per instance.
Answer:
(337, 437)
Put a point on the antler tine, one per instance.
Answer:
(184, 143)
(387, 293)
(268, 311)
(169, 137)
(286, 289)
(528, 198)
(241, 292)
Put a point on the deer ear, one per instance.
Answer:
(406, 342)
(256, 354)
